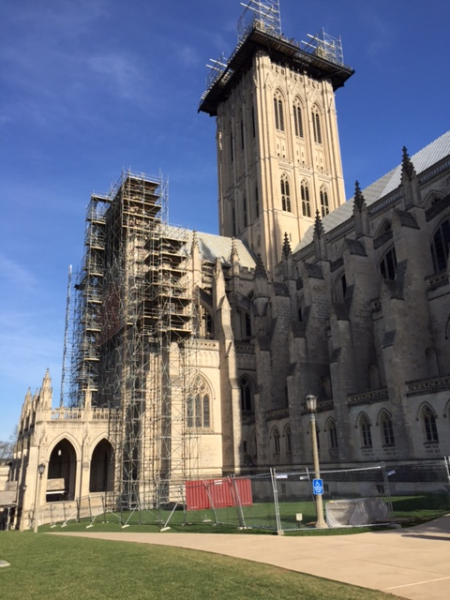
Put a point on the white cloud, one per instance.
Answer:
(16, 275)
(118, 72)
(380, 36)
(189, 56)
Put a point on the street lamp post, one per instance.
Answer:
(311, 406)
(41, 469)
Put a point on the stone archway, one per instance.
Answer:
(62, 471)
(101, 475)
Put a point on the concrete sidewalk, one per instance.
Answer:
(411, 563)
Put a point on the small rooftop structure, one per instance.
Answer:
(260, 28)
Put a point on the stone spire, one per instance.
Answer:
(320, 244)
(408, 169)
(261, 289)
(286, 259)
(286, 246)
(410, 182)
(46, 392)
(359, 198)
(234, 257)
(360, 215)
(318, 226)
(260, 270)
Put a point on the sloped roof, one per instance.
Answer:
(213, 247)
(422, 161)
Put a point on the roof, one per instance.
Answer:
(422, 161)
(213, 247)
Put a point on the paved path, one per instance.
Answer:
(412, 563)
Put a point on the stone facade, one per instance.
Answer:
(346, 301)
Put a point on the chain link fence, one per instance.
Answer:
(419, 489)
(281, 500)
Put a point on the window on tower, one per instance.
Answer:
(298, 123)
(324, 201)
(256, 201)
(279, 115)
(244, 209)
(285, 194)
(306, 204)
(316, 126)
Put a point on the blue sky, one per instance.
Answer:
(91, 87)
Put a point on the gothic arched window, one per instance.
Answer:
(387, 429)
(324, 207)
(285, 194)
(388, 265)
(276, 440)
(429, 424)
(198, 405)
(317, 132)
(244, 210)
(278, 110)
(298, 122)
(248, 325)
(440, 245)
(332, 434)
(366, 433)
(306, 204)
(206, 324)
(288, 439)
(246, 395)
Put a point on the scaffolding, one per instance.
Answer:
(134, 320)
(260, 24)
(264, 14)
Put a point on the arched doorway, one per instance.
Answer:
(62, 470)
(101, 475)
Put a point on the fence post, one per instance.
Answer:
(104, 508)
(237, 502)
(388, 492)
(276, 506)
(207, 486)
(446, 461)
(447, 468)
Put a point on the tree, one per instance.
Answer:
(7, 447)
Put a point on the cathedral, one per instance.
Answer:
(193, 353)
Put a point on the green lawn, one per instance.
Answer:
(59, 568)
(414, 510)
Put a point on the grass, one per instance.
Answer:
(415, 510)
(59, 568)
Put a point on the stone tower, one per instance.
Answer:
(277, 138)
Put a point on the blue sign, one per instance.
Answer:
(318, 487)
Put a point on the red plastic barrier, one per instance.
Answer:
(218, 493)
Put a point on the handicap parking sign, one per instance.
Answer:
(318, 487)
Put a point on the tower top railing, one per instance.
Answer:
(264, 16)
